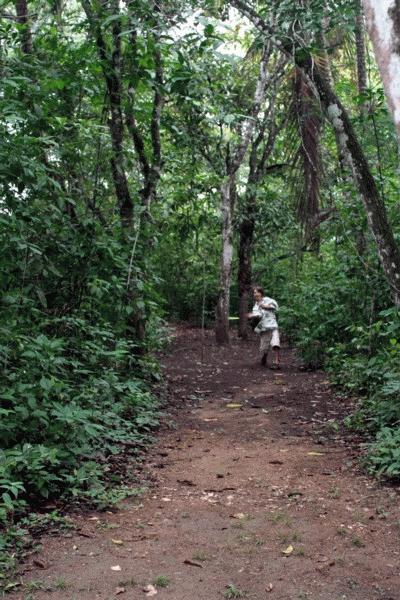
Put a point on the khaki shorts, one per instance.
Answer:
(269, 339)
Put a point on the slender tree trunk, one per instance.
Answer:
(58, 7)
(228, 196)
(150, 162)
(111, 65)
(228, 192)
(362, 83)
(246, 237)
(383, 24)
(21, 7)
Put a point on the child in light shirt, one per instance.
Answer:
(264, 310)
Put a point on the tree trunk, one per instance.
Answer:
(246, 236)
(228, 194)
(111, 66)
(360, 51)
(21, 7)
(383, 24)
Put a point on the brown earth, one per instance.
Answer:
(248, 465)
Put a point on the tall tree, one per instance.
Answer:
(388, 250)
(234, 160)
(260, 151)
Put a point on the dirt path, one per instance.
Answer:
(249, 468)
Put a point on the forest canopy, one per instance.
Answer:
(158, 159)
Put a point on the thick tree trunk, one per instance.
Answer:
(246, 236)
(383, 24)
(21, 7)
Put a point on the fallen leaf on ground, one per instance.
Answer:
(150, 590)
(288, 550)
(84, 534)
(238, 516)
(116, 568)
(193, 563)
(269, 587)
(39, 563)
(186, 482)
(233, 405)
(119, 590)
(315, 453)
(118, 542)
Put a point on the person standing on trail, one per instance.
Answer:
(264, 312)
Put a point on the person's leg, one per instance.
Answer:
(265, 342)
(277, 355)
(276, 347)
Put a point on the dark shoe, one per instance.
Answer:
(264, 360)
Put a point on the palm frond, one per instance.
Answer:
(306, 113)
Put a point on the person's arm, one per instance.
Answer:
(272, 305)
(254, 313)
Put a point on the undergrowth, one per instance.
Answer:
(359, 346)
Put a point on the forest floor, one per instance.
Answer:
(252, 492)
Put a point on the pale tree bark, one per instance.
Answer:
(228, 194)
(383, 24)
(228, 197)
(380, 227)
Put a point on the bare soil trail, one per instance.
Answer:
(252, 494)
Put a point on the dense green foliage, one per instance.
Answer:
(75, 385)
(85, 291)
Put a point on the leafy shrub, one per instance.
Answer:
(357, 343)
(384, 454)
(73, 387)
